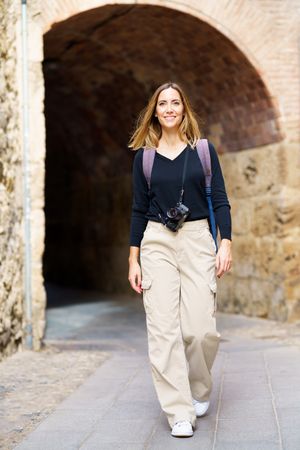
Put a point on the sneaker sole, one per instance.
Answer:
(189, 434)
(182, 435)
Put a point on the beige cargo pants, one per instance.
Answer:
(179, 296)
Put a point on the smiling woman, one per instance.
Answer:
(176, 272)
(168, 106)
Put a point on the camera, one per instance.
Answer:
(176, 216)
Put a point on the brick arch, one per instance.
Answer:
(226, 89)
(220, 17)
(233, 19)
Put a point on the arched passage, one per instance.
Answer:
(100, 66)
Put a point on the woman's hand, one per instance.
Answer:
(223, 258)
(135, 276)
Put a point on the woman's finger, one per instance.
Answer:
(221, 268)
(135, 286)
(228, 267)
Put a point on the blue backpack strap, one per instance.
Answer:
(204, 156)
(148, 160)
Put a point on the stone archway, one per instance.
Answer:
(99, 67)
(251, 183)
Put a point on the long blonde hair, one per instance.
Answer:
(148, 129)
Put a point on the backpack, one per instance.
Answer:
(204, 156)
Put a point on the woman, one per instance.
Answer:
(178, 268)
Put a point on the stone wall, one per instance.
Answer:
(11, 251)
(265, 234)
(13, 319)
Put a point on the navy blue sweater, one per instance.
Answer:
(166, 179)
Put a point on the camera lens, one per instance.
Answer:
(172, 213)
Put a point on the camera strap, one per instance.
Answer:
(183, 175)
(182, 186)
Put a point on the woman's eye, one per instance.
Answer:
(176, 102)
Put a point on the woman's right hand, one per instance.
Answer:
(135, 276)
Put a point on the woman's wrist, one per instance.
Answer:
(134, 255)
(133, 260)
(226, 241)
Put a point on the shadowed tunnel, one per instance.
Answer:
(100, 68)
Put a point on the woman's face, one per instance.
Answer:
(169, 108)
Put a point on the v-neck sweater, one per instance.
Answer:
(165, 187)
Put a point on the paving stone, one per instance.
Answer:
(140, 381)
(289, 421)
(286, 383)
(247, 428)
(147, 394)
(117, 431)
(243, 391)
(70, 419)
(115, 372)
(287, 399)
(93, 444)
(253, 378)
(80, 400)
(291, 442)
(257, 407)
(249, 445)
(52, 440)
(207, 422)
(133, 410)
(289, 417)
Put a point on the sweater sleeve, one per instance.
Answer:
(220, 201)
(140, 201)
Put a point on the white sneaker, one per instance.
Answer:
(183, 428)
(200, 407)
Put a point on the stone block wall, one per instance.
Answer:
(13, 319)
(11, 247)
(262, 223)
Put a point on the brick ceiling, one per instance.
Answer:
(101, 66)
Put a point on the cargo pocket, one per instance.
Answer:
(146, 285)
(213, 288)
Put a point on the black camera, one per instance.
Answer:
(176, 216)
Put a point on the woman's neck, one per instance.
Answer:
(170, 139)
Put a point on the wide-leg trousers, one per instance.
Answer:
(179, 297)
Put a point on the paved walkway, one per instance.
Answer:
(254, 403)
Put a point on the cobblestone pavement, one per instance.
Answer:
(91, 388)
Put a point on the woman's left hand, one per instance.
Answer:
(223, 258)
